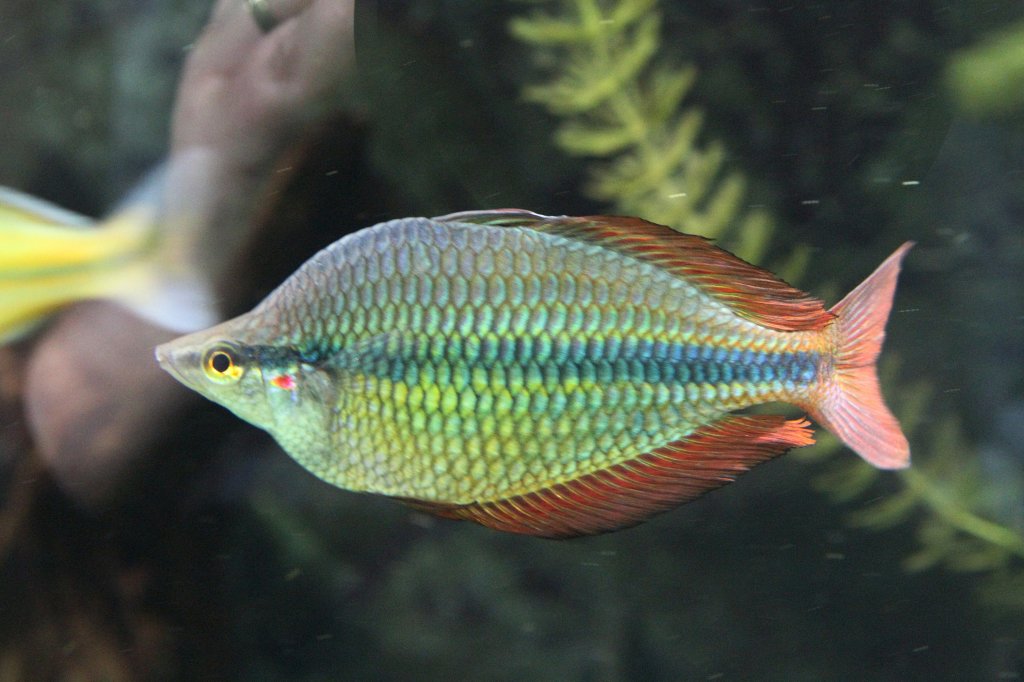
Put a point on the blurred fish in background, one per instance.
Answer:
(53, 257)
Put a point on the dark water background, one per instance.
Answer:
(233, 563)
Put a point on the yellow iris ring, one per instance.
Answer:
(221, 365)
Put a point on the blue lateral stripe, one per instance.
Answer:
(655, 363)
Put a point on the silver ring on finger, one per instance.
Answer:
(262, 15)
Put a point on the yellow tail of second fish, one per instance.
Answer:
(50, 257)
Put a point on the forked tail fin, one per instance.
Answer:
(852, 407)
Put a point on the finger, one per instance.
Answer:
(229, 37)
(283, 10)
(329, 31)
(313, 50)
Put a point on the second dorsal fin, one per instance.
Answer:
(752, 292)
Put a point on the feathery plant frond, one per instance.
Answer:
(620, 107)
(944, 490)
(986, 81)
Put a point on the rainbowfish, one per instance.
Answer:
(552, 376)
(50, 257)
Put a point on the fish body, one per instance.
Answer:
(550, 376)
(51, 257)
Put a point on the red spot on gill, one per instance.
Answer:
(285, 382)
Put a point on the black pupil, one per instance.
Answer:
(220, 362)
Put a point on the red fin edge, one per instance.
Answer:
(633, 491)
(852, 406)
(752, 292)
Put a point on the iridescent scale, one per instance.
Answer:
(475, 363)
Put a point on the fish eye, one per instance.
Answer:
(221, 364)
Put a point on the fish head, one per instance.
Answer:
(222, 367)
(264, 381)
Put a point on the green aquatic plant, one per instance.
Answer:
(622, 107)
(987, 80)
(945, 492)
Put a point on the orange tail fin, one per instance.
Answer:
(852, 406)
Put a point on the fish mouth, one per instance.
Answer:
(163, 357)
(169, 361)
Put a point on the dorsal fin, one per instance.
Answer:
(752, 292)
(653, 482)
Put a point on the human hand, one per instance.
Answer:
(94, 397)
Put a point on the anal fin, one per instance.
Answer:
(631, 492)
